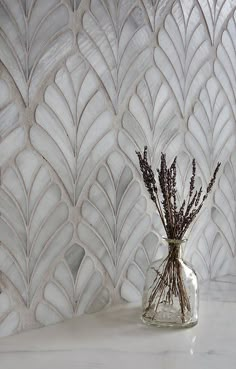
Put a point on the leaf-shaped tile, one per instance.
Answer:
(211, 130)
(148, 250)
(152, 120)
(210, 258)
(115, 42)
(9, 318)
(183, 55)
(73, 130)
(11, 131)
(156, 11)
(114, 216)
(34, 36)
(215, 15)
(225, 64)
(224, 209)
(34, 227)
(76, 288)
(15, 316)
(75, 4)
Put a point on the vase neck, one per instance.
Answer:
(175, 247)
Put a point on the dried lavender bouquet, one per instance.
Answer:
(176, 221)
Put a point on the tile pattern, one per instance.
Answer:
(83, 84)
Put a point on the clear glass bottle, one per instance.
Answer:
(170, 296)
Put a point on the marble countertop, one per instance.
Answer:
(116, 338)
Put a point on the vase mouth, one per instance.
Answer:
(175, 241)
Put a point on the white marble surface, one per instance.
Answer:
(116, 338)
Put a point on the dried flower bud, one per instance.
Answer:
(175, 222)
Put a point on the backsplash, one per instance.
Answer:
(83, 84)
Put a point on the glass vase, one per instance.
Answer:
(170, 295)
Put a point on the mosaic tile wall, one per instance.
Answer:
(83, 84)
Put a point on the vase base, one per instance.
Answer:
(168, 324)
